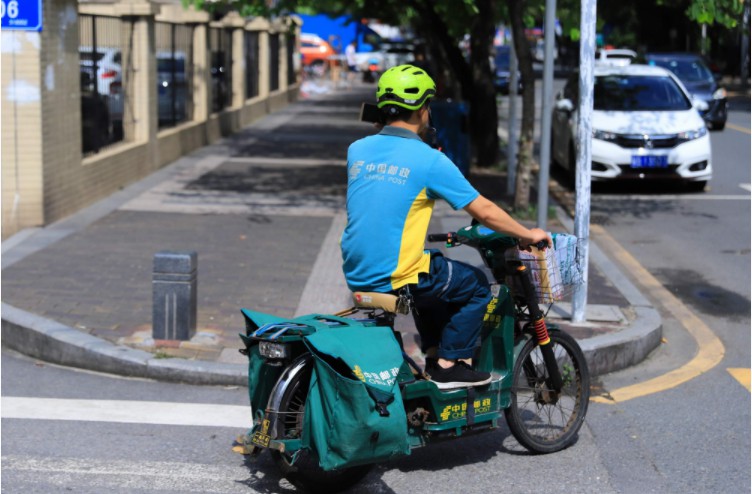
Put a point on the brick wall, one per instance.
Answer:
(44, 175)
(22, 202)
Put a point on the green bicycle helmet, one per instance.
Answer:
(406, 86)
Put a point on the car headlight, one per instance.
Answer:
(604, 135)
(719, 93)
(692, 134)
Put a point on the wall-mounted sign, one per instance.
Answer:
(21, 15)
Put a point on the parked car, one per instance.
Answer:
(172, 87)
(645, 126)
(539, 50)
(699, 81)
(315, 52)
(615, 56)
(108, 85)
(397, 53)
(95, 118)
(108, 62)
(502, 76)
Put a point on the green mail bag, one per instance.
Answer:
(354, 414)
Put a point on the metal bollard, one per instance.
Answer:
(174, 295)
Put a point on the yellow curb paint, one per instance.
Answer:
(743, 376)
(710, 348)
(738, 128)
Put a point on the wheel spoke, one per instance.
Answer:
(541, 420)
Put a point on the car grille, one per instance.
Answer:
(647, 141)
(628, 172)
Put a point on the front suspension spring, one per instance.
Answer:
(541, 332)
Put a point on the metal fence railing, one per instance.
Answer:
(273, 62)
(220, 46)
(251, 64)
(174, 47)
(103, 95)
(291, 43)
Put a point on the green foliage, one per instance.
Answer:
(727, 13)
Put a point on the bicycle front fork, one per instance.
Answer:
(553, 380)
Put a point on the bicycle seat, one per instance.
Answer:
(375, 300)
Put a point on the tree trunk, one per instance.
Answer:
(484, 117)
(475, 79)
(525, 146)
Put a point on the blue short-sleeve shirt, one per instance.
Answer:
(393, 180)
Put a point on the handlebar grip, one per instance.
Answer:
(438, 237)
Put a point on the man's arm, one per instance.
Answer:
(495, 218)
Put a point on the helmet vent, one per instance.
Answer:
(412, 90)
(418, 72)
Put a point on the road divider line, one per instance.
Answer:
(129, 412)
(667, 197)
(710, 348)
(743, 376)
(738, 128)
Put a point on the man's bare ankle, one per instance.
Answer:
(444, 363)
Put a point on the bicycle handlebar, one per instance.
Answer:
(438, 237)
(449, 237)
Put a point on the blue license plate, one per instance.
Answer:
(649, 161)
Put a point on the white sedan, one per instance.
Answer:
(645, 126)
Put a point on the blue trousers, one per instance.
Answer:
(451, 300)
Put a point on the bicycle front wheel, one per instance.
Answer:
(542, 420)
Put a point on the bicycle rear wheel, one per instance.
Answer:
(305, 471)
(542, 420)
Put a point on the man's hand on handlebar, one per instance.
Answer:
(538, 237)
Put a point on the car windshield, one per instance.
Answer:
(638, 93)
(687, 70)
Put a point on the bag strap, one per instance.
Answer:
(381, 399)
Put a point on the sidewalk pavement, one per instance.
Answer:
(264, 210)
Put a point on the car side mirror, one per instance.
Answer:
(564, 105)
(700, 105)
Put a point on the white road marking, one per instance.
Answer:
(688, 197)
(130, 412)
(121, 474)
(746, 186)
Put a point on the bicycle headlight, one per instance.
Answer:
(692, 134)
(604, 135)
(271, 350)
(719, 93)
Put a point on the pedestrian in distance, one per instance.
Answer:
(352, 61)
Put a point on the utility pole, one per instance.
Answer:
(545, 139)
(584, 152)
(512, 131)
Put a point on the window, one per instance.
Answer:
(251, 64)
(174, 46)
(103, 92)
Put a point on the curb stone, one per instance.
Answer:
(53, 342)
